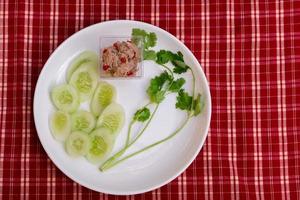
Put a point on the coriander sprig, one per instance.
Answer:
(157, 90)
(160, 86)
(142, 38)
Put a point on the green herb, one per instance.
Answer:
(148, 39)
(163, 56)
(151, 40)
(112, 162)
(177, 85)
(113, 159)
(198, 105)
(157, 88)
(180, 66)
(142, 115)
(184, 100)
(178, 56)
(157, 91)
(149, 55)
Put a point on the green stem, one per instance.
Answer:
(193, 93)
(143, 130)
(120, 153)
(129, 131)
(156, 107)
(190, 114)
(167, 68)
(112, 164)
(131, 124)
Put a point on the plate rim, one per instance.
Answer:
(138, 191)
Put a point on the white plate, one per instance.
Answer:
(148, 170)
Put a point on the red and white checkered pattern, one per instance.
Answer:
(250, 51)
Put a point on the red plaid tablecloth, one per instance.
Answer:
(250, 52)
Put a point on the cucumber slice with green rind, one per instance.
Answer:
(102, 142)
(85, 56)
(85, 80)
(65, 98)
(83, 121)
(104, 95)
(60, 125)
(112, 117)
(78, 144)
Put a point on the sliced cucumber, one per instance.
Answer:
(85, 80)
(60, 125)
(77, 144)
(112, 117)
(83, 121)
(86, 56)
(104, 95)
(65, 98)
(102, 142)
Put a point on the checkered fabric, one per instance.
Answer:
(250, 52)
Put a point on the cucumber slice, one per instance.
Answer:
(65, 98)
(60, 125)
(105, 93)
(77, 144)
(83, 121)
(102, 142)
(112, 117)
(86, 56)
(85, 80)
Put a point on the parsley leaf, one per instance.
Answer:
(158, 84)
(184, 100)
(149, 55)
(198, 105)
(148, 39)
(142, 115)
(177, 84)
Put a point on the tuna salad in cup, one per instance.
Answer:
(120, 58)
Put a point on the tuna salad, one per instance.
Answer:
(121, 59)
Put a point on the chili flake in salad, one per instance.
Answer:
(121, 59)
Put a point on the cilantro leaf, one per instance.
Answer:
(198, 105)
(184, 100)
(138, 32)
(159, 96)
(137, 36)
(149, 55)
(156, 89)
(151, 39)
(148, 39)
(178, 56)
(177, 84)
(180, 67)
(142, 115)
(163, 56)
